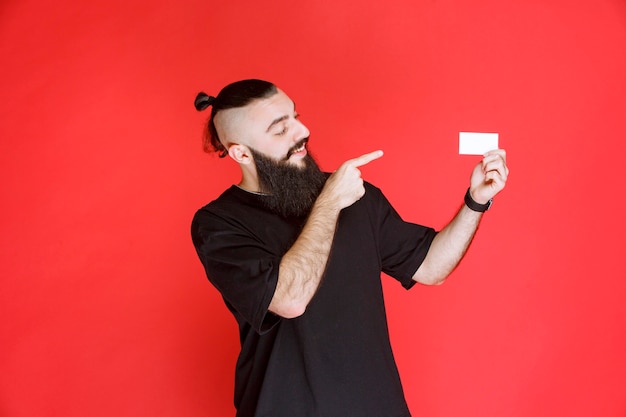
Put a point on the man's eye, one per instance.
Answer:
(282, 132)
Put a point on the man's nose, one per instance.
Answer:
(301, 131)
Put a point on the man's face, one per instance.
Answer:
(270, 126)
(267, 132)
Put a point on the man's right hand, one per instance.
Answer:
(345, 186)
(302, 266)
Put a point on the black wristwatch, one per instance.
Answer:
(481, 208)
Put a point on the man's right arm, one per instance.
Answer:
(303, 265)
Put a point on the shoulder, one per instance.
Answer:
(372, 188)
(232, 202)
(227, 198)
(222, 211)
(375, 201)
(373, 194)
(373, 204)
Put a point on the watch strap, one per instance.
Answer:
(481, 208)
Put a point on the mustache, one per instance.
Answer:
(297, 146)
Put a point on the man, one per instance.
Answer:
(297, 256)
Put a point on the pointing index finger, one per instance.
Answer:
(367, 158)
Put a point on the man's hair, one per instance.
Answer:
(237, 94)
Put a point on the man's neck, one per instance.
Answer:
(250, 185)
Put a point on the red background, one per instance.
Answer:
(104, 307)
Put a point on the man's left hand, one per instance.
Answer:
(489, 176)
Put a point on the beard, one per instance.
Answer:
(291, 190)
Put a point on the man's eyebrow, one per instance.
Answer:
(280, 119)
(276, 121)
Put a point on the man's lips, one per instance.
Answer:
(299, 147)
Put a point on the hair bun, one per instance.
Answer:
(203, 100)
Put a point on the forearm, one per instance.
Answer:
(302, 267)
(448, 247)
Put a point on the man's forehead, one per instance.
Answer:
(259, 113)
(263, 110)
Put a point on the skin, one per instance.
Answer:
(271, 126)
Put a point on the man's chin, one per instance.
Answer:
(297, 162)
(293, 184)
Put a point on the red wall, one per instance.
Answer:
(104, 307)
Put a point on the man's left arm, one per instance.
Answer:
(448, 247)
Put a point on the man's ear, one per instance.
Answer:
(240, 154)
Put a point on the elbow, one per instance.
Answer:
(429, 277)
(438, 281)
(432, 280)
(293, 312)
(288, 310)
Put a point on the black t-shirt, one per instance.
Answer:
(335, 360)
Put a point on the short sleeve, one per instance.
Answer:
(403, 246)
(238, 265)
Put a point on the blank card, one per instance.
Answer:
(476, 143)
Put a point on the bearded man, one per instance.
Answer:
(297, 256)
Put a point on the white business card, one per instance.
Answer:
(476, 143)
